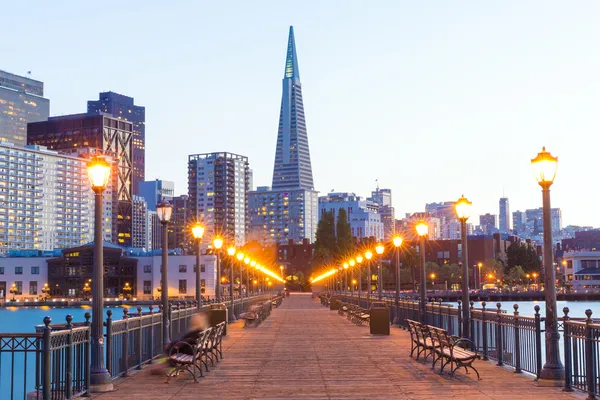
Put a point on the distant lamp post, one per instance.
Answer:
(247, 262)
(345, 265)
(368, 256)
(422, 230)
(359, 260)
(463, 212)
(46, 290)
(479, 265)
(253, 265)
(432, 276)
(198, 233)
(379, 249)
(352, 263)
(240, 258)
(86, 290)
(165, 210)
(126, 290)
(218, 244)
(98, 169)
(535, 282)
(397, 241)
(545, 166)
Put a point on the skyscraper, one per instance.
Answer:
(488, 223)
(288, 210)
(21, 101)
(218, 185)
(504, 215)
(383, 197)
(292, 158)
(122, 107)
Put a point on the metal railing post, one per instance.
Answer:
(87, 355)
(567, 348)
(484, 331)
(69, 359)
(109, 360)
(471, 323)
(538, 341)
(499, 350)
(517, 340)
(140, 339)
(46, 378)
(589, 356)
(151, 339)
(125, 348)
(460, 318)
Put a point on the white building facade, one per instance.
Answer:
(363, 215)
(582, 270)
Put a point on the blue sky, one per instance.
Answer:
(434, 99)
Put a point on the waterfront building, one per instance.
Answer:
(487, 222)
(295, 257)
(504, 218)
(66, 272)
(519, 222)
(363, 214)
(588, 240)
(155, 191)
(123, 107)
(218, 186)
(21, 101)
(181, 226)
(288, 210)
(84, 134)
(45, 199)
(383, 197)
(156, 230)
(582, 270)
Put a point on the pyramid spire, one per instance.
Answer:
(291, 61)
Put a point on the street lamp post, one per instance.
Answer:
(359, 260)
(352, 263)
(98, 170)
(397, 241)
(368, 256)
(422, 231)
(345, 279)
(217, 244)
(231, 252)
(479, 265)
(544, 165)
(463, 211)
(164, 211)
(198, 232)
(379, 249)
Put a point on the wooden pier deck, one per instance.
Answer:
(305, 351)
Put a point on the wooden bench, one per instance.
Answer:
(454, 351)
(213, 345)
(186, 356)
(257, 314)
(359, 315)
(421, 339)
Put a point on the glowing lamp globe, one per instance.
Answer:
(397, 240)
(352, 263)
(544, 167)
(345, 265)
(198, 231)
(231, 251)
(359, 259)
(164, 209)
(463, 208)
(422, 228)
(368, 255)
(98, 170)
(247, 260)
(218, 242)
(379, 248)
(240, 256)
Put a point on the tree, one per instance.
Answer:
(325, 244)
(344, 234)
(524, 255)
(515, 275)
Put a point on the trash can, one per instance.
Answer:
(218, 314)
(380, 318)
(334, 303)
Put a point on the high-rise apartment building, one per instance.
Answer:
(363, 215)
(288, 210)
(530, 223)
(46, 201)
(156, 191)
(218, 185)
(383, 197)
(141, 230)
(504, 215)
(123, 107)
(519, 222)
(487, 222)
(181, 236)
(21, 101)
(72, 134)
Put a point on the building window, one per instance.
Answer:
(202, 285)
(182, 286)
(33, 288)
(182, 268)
(35, 270)
(202, 268)
(147, 269)
(1, 270)
(19, 286)
(18, 270)
(147, 287)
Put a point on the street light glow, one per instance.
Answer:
(218, 242)
(422, 228)
(98, 170)
(198, 231)
(544, 167)
(463, 208)
(379, 248)
(397, 240)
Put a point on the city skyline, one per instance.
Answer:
(447, 89)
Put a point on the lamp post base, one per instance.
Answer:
(101, 382)
(552, 375)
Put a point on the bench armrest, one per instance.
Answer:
(180, 345)
(465, 340)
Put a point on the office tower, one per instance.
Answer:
(100, 134)
(504, 215)
(488, 223)
(21, 101)
(288, 210)
(123, 107)
(181, 236)
(519, 222)
(141, 230)
(155, 191)
(218, 185)
(383, 197)
(363, 215)
(46, 201)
